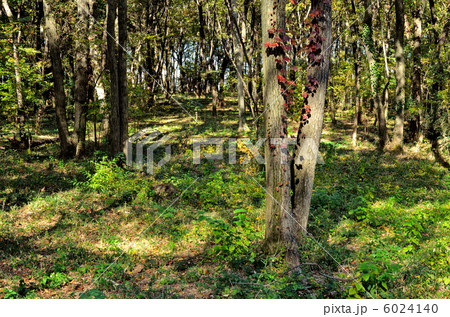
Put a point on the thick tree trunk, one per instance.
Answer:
(397, 142)
(308, 139)
(277, 202)
(58, 81)
(81, 77)
(374, 74)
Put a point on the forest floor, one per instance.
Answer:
(379, 224)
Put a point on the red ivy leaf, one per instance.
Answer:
(281, 79)
(294, 2)
(295, 68)
(267, 44)
(291, 83)
(304, 94)
(286, 59)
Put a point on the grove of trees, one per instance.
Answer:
(91, 70)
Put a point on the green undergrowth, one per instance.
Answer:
(95, 228)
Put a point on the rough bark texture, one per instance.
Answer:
(273, 107)
(415, 122)
(309, 134)
(374, 74)
(239, 61)
(397, 141)
(58, 80)
(117, 65)
(113, 78)
(81, 77)
(289, 184)
(122, 72)
(356, 65)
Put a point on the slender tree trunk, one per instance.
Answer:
(374, 74)
(397, 141)
(58, 81)
(20, 106)
(214, 95)
(122, 73)
(202, 46)
(81, 77)
(357, 94)
(115, 136)
(332, 104)
(223, 69)
(239, 61)
(415, 122)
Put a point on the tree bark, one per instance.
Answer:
(20, 106)
(415, 122)
(273, 122)
(81, 77)
(117, 65)
(374, 74)
(397, 142)
(309, 133)
(122, 72)
(58, 81)
(239, 61)
(113, 78)
(357, 93)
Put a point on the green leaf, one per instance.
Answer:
(93, 294)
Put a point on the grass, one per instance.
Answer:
(93, 229)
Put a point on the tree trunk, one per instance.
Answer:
(115, 136)
(122, 73)
(397, 142)
(58, 81)
(332, 104)
(223, 69)
(309, 133)
(277, 204)
(374, 74)
(239, 61)
(357, 94)
(20, 106)
(81, 77)
(415, 122)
